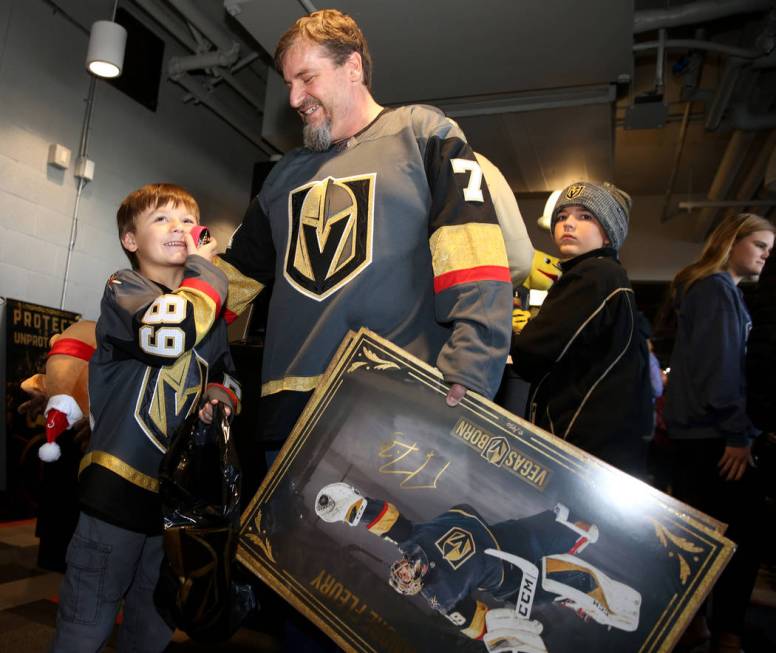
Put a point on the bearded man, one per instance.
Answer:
(383, 219)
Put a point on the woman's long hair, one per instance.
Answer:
(716, 252)
(714, 258)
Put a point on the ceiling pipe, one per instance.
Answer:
(488, 105)
(661, 51)
(677, 158)
(696, 12)
(198, 90)
(214, 32)
(309, 7)
(224, 57)
(697, 44)
(177, 66)
(203, 25)
(246, 60)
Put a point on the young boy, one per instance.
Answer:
(160, 345)
(582, 353)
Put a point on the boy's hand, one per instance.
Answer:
(206, 251)
(206, 412)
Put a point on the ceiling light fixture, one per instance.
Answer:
(107, 41)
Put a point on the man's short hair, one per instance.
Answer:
(335, 31)
(150, 196)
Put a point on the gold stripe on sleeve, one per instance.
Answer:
(204, 309)
(242, 289)
(465, 246)
(295, 383)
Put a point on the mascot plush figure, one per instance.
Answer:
(65, 383)
(545, 271)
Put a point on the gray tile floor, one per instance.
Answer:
(28, 602)
(28, 605)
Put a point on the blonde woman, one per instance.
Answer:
(705, 409)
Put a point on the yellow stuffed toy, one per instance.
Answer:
(64, 386)
(545, 270)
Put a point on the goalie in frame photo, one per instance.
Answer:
(517, 561)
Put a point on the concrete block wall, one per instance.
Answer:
(43, 91)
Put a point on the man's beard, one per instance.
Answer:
(317, 138)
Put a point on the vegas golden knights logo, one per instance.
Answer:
(456, 546)
(168, 395)
(574, 191)
(330, 234)
(496, 451)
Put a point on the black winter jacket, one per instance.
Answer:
(586, 362)
(706, 393)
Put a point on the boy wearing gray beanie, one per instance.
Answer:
(582, 354)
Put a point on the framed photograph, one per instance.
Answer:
(397, 523)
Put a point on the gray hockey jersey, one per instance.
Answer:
(157, 352)
(393, 229)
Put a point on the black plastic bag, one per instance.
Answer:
(200, 492)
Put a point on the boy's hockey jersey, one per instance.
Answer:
(157, 352)
(393, 229)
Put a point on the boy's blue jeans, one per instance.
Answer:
(106, 564)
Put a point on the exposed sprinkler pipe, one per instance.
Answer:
(660, 61)
(692, 13)
(677, 158)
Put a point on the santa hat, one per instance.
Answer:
(61, 412)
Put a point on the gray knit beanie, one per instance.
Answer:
(610, 205)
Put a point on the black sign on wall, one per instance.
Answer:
(28, 328)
